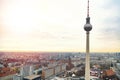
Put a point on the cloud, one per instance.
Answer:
(112, 21)
(113, 26)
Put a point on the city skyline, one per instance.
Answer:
(27, 25)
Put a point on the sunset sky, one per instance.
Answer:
(57, 25)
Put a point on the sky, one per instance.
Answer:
(57, 25)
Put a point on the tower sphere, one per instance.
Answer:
(87, 27)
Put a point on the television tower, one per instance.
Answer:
(87, 28)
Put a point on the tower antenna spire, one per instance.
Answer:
(88, 9)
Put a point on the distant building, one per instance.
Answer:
(31, 70)
(1, 66)
(117, 55)
(38, 71)
(50, 71)
(108, 74)
(26, 70)
(117, 70)
(17, 77)
(70, 65)
(47, 73)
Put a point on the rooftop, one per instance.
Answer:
(32, 77)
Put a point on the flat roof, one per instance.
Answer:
(32, 76)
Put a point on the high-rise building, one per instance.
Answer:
(25, 70)
(31, 70)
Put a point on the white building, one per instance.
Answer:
(26, 70)
(17, 77)
(63, 67)
(48, 72)
(57, 69)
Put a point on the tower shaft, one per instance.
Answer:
(87, 63)
(87, 41)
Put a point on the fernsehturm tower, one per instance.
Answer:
(87, 28)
